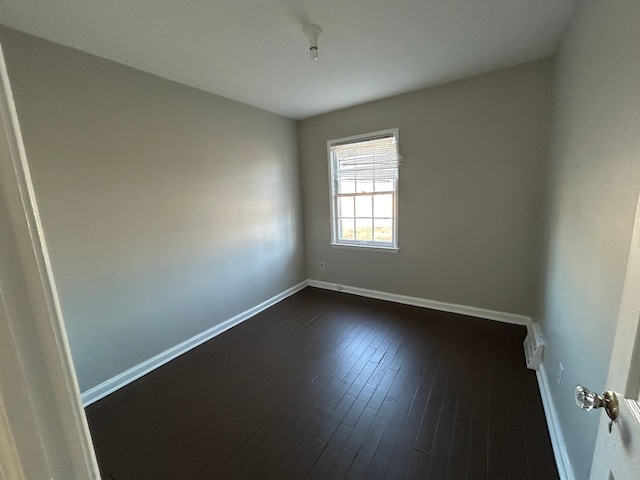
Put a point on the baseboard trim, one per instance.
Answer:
(557, 439)
(109, 386)
(423, 302)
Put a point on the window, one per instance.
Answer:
(364, 190)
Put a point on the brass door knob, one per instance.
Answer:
(588, 400)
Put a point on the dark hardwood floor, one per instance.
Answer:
(326, 385)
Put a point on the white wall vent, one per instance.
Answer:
(534, 347)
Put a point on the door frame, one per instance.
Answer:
(43, 428)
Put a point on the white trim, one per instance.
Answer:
(557, 439)
(364, 136)
(335, 242)
(109, 386)
(365, 248)
(425, 303)
(634, 408)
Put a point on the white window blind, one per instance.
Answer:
(367, 161)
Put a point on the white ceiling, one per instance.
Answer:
(254, 51)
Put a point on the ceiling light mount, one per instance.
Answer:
(312, 32)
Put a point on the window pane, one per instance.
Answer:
(346, 207)
(383, 230)
(364, 206)
(363, 229)
(364, 187)
(346, 229)
(383, 206)
(384, 186)
(345, 186)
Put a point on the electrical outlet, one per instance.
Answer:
(560, 372)
(321, 265)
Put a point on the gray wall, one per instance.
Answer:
(166, 209)
(595, 181)
(469, 191)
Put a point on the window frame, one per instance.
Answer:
(366, 245)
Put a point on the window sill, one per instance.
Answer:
(367, 248)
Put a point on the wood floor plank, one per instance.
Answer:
(418, 465)
(477, 458)
(310, 456)
(357, 408)
(497, 434)
(441, 449)
(458, 459)
(340, 465)
(404, 397)
(403, 451)
(367, 445)
(322, 466)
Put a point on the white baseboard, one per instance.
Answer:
(557, 439)
(109, 386)
(423, 302)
